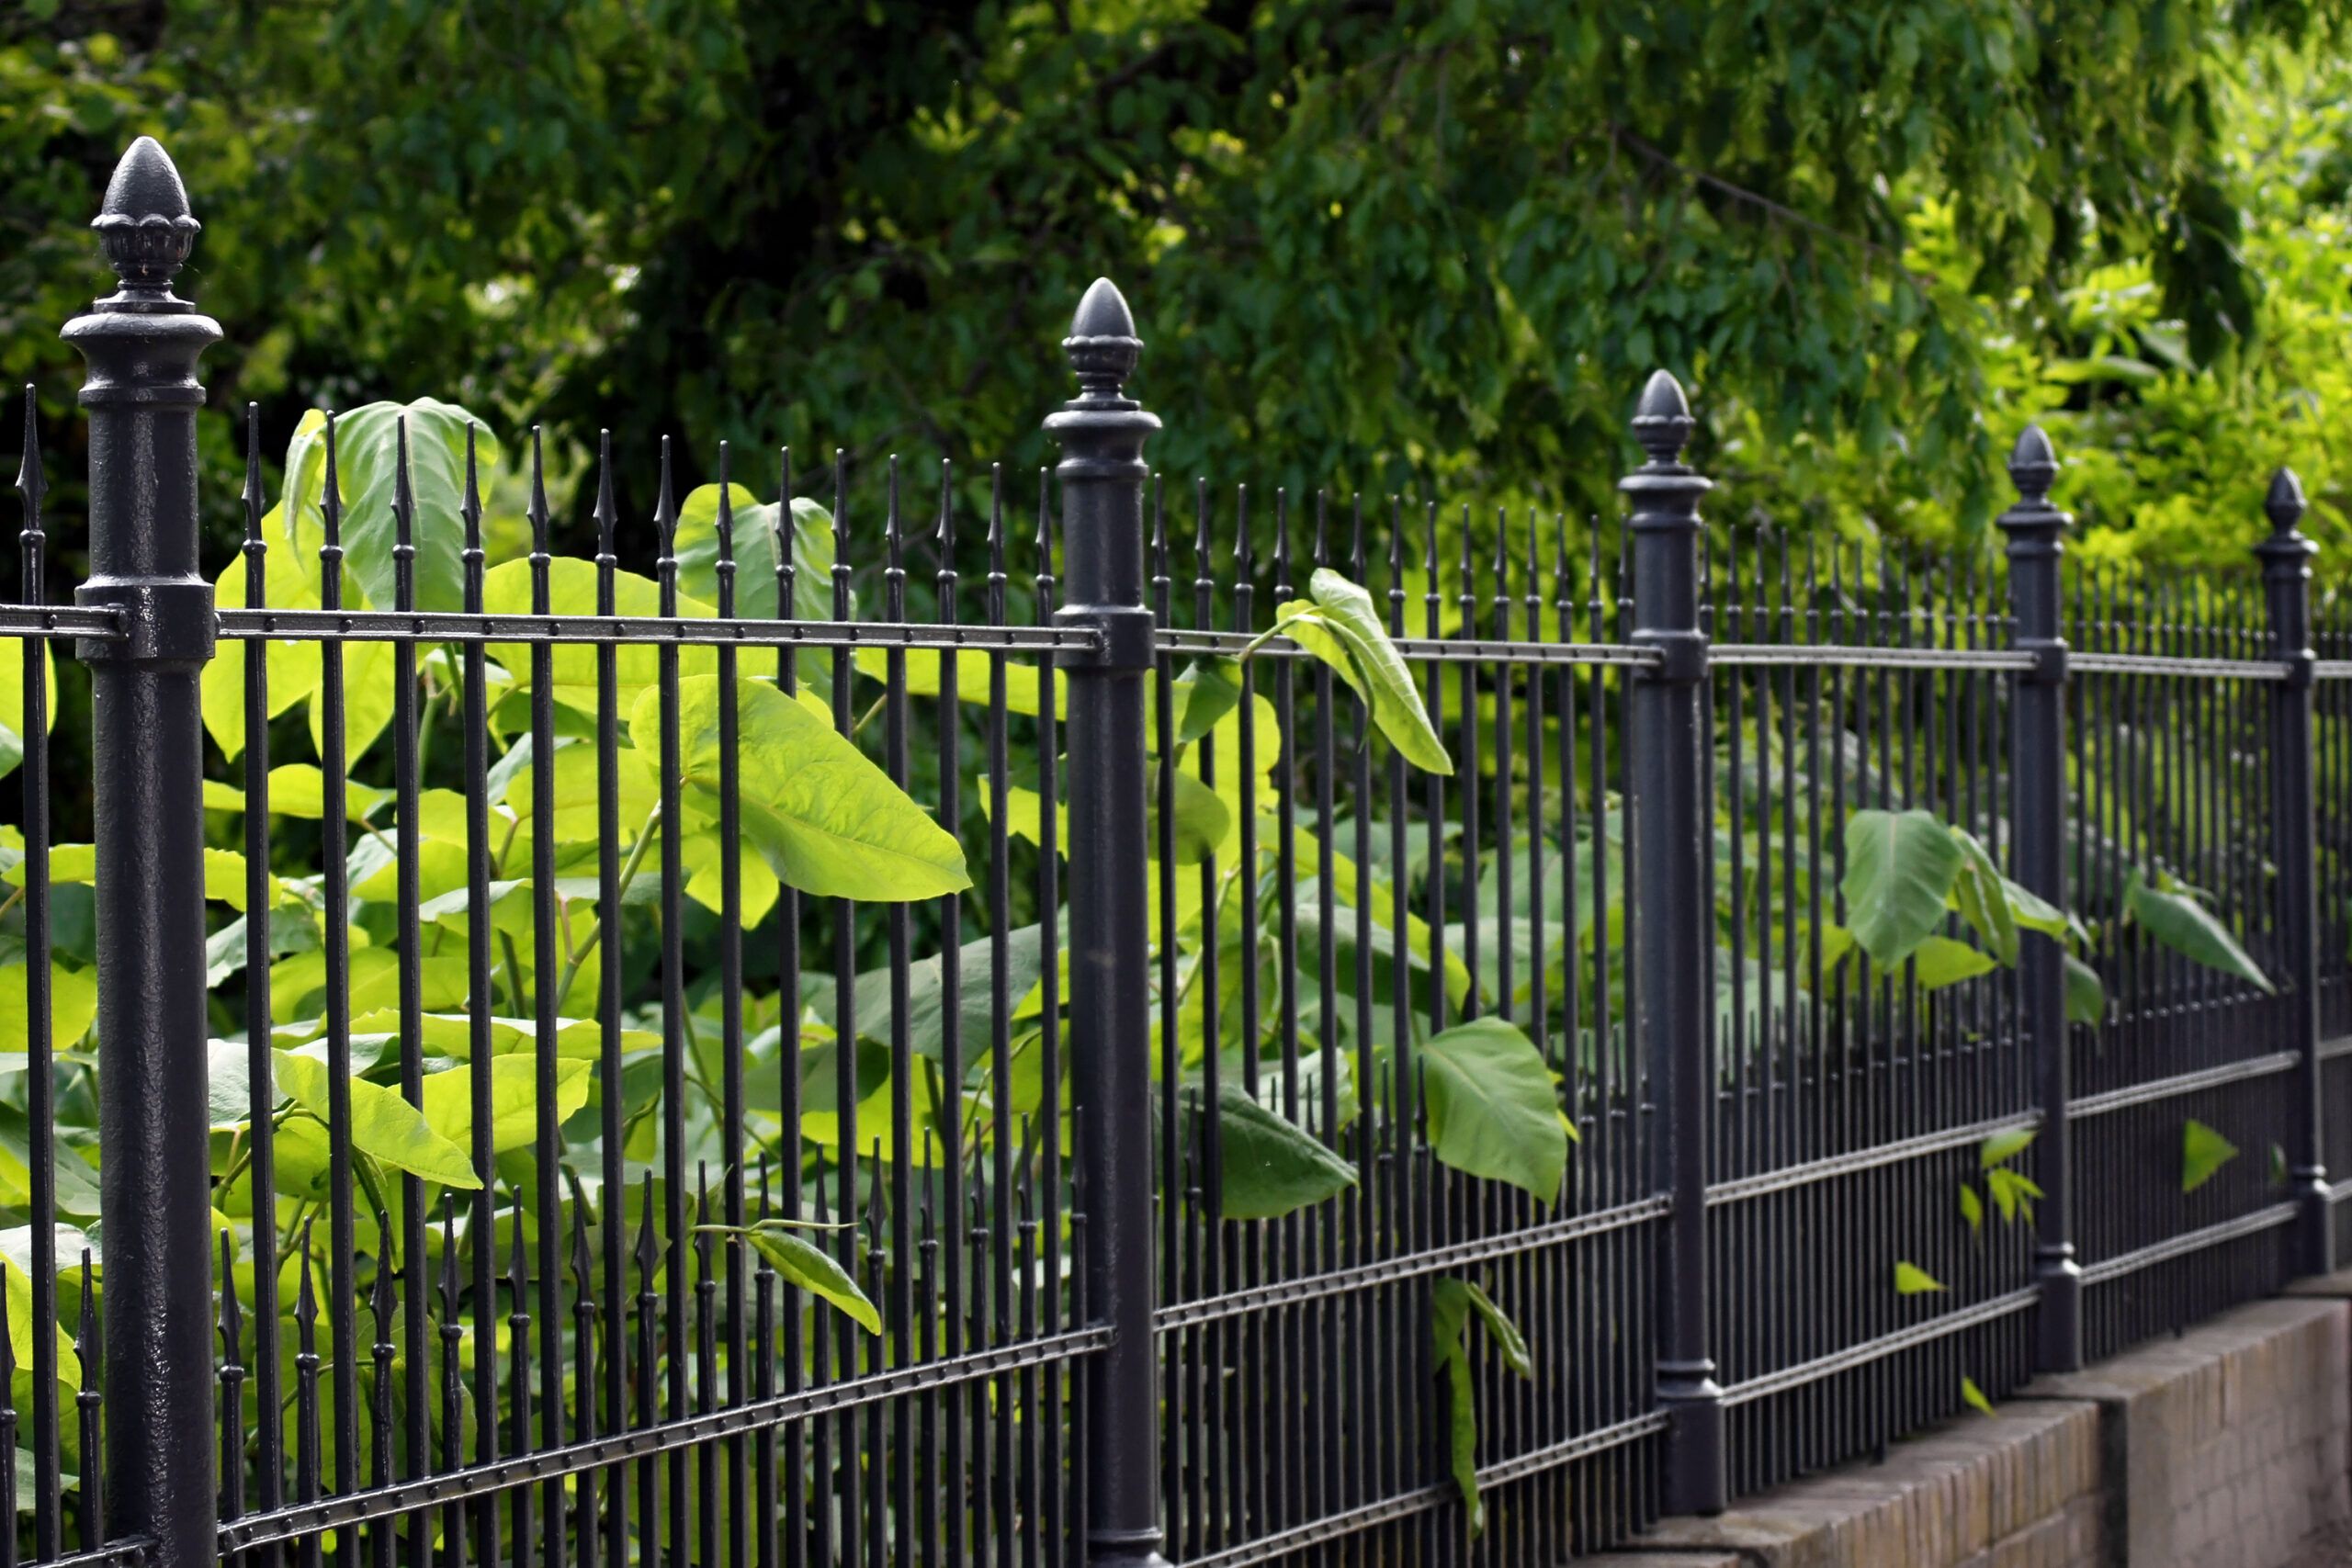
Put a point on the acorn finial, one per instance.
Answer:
(2284, 505)
(2032, 466)
(1102, 345)
(1662, 421)
(144, 226)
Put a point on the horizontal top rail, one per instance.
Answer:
(1440, 650)
(394, 626)
(1867, 657)
(61, 621)
(2165, 664)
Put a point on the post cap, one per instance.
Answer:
(1102, 345)
(2033, 466)
(2284, 505)
(1662, 421)
(144, 226)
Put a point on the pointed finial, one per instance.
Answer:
(2032, 466)
(2284, 505)
(1662, 421)
(145, 227)
(536, 510)
(607, 514)
(1102, 345)
(30, 483)
(252, 495)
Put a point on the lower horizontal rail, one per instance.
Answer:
(131, 1552)
(2181, 1246)
(451, 1487)
(2165, 664)
(1404, 1505)
(1885, 1345)
(389, 626)
(1313, 1286)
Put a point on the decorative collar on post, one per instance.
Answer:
(2036, 532)
(1664, 492)
(1101, 432)
(146, 229)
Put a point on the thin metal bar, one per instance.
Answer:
(657, 631)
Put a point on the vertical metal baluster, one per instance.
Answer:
(546, 966)
(521, 1366)
(232, 1388)
(705, 1354)
(407, 943)
(587, 1324)
(86, 1402)
(1175, 1413)
(1048, 1175)
(306, 1400)
(995, 1236)
(9, 1498)
(453, 1452)
(1366, 1320)
(1205, 1528)
(1473, 830)
(612, 1190)
(899, 935)
(845, 1197)
(380, 1531)
(648, 1257)
(788, 912)
(733, 1114)
(951, 1044)
(1249, 1483)
(673, 1009)
(480, 1233)
(1401, 1445)
(766, 1509)
(40, 1067)
(336, 839)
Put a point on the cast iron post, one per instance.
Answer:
(1101, 474)
(141, 346)
(2286, 557)
(1677, 916)
(2037, 534)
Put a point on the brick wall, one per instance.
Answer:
(2225, 1448)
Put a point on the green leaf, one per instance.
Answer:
(1201, 820)
(756, 538)
(383, 1126)
(2085, 993)
(1910, 1280)
(1939, 961)
(365, 448)
(1448, 1320)
(1972, 1207)
(1269, 1166)
(2180, 920)
(1502, 1330)
(2004, 1145)
(2203, 1151)
(819, 812)
(1980, 894)
(1493, 1110)
(1973, 1397)
(1899, 870)
(72, 1007)
(514, 1100)
(809, 1266)
(18, 1281)
(1205, 693)
(1339, 624)
(571, 665)
(2013, 1191)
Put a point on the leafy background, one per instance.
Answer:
(1382, 247)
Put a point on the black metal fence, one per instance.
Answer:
(477, 1151)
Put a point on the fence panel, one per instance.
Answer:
(794, 1057)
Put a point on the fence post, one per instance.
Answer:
(1101, 475)
(1670, 749)
(2286, 557)
(141, 346)
(2037, 534)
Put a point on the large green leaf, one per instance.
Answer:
(1338, 623)
(755, 539)
(2178, 918)
(72, 1007)
(1493, 1111)
(1939, 960)
(1979, 893)
(927, 994)
(383, 1126)
(514, 1099)
(367, 441)
(2085, 993)
(572, 591)
(1452, 1303)
(1899, 868)
(1268, 1166)
(823, 816)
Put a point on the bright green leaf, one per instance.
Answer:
(1899, 870)
(1493, 1111)
(2203, 1151)
(1910, 1280)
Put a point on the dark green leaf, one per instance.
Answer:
(1899, 870)
(1493, 1109)
(1269, 1168)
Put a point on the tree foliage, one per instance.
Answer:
(1370, 246)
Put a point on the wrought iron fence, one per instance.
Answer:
(461, 1196)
